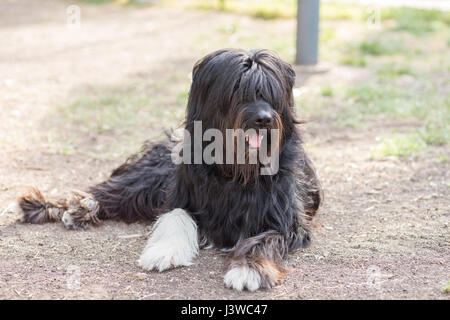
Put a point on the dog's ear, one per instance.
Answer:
(289, 74)
(205, 61)
(195, 69)
(198, 65)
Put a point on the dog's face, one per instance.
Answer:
(257, 119)
(251, 91)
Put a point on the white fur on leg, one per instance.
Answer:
(67, 220)
(173, 242)
(242, 277)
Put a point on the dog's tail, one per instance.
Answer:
(137, 190)
(75, 213)
(36, 209)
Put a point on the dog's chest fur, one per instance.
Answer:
(227, 211)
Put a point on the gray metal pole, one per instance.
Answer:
(307, 32)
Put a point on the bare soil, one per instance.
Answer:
(383, 232)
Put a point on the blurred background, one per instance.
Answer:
(99, 68)
(84, 83)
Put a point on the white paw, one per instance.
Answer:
(173, 242)
(242, 277)
(68, 221)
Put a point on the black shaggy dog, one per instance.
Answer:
(258, 218)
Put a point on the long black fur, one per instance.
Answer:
(137, 189)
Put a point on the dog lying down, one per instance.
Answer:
(252, 191)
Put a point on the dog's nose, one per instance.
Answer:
(263, 119)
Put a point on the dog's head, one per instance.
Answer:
(251, 91)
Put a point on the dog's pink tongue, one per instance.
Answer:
(255, 140)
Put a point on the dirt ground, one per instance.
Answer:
(383, 232)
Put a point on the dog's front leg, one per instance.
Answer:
(172, 243)
(256, 262)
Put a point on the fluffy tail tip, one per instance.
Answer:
(35, 209)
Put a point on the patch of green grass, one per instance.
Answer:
(367, 92)
(349, 54)
(446, 287)
(393, 70)
(121, 118)
(386, 98)
(349, 119)
(104, 111)
(356, 53)
(375, 98)
(399, 145)
(443, 159)
(269, 13)
(433, 110)
(323, 102)
(437, 126)
(259, 9)
(353, 60)
(326, 91)
(380, 46)
(374, 48)
(416, 21)
(279, 9)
